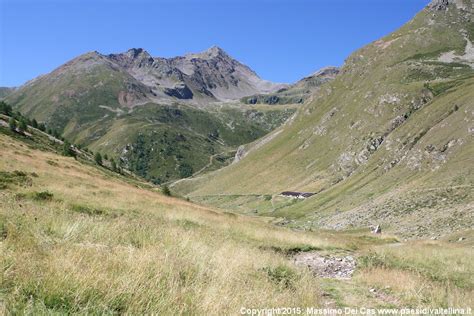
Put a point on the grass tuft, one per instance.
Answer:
(84, 209)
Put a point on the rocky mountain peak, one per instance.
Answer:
(325, 72)
(134, 57)
(438, 5)
(210, 53)
(215, 51)
(138, 53)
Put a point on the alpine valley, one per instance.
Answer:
(388, 141)
(141, 185)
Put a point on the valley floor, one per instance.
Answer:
(76, 238)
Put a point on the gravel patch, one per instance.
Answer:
(326, 266)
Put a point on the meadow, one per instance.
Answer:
(78, 238)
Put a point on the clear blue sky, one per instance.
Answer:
(282, 40)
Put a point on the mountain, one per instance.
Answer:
(389, 141)
(139, 78)
(134, 78)
(211, 75)
(162, 118)
(4, 91)
(296, 93)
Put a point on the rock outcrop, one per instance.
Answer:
(298, 92)
(439, 5)
(211, 75)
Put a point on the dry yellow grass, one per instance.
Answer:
(105, 245)
(422, 273)
(399, 287)
(140, 252)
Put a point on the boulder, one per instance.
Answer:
(377, 230)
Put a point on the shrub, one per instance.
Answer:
(165, 190)
(12, 124)
(185, 170)
(156, 181)
(98, 158)
(3, 230)
(5, 108)
(282, 275)
(113, 165)
(16, 177)
(86, 209)
(68, 150)
(42, 196)
(22, 127)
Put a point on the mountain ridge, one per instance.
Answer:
(298, 92)
(208, 76)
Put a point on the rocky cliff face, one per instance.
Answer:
(439, 4)
(298, 92)
(208, 76)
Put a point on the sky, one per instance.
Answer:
(282, 40)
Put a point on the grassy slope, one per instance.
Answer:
(327, 147)
(175, 136)
(103, 243)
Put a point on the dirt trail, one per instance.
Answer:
(197, 173)
(326, 266)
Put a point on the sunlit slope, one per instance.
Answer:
(76, 238)
(398, 118)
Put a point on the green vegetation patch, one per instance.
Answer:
(292, 250)
(281, 275)
(470, 31)
(42, 196)
(438, 88)
(188, 224)
(3, 229)
(16, 178)
(84, 209)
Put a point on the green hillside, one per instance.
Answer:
(389, 141)
(77, 238)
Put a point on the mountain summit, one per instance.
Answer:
(135, 77)
(199, 78)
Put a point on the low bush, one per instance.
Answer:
(42, 196)
(86, 209)
(282, 275)
(16, 178)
